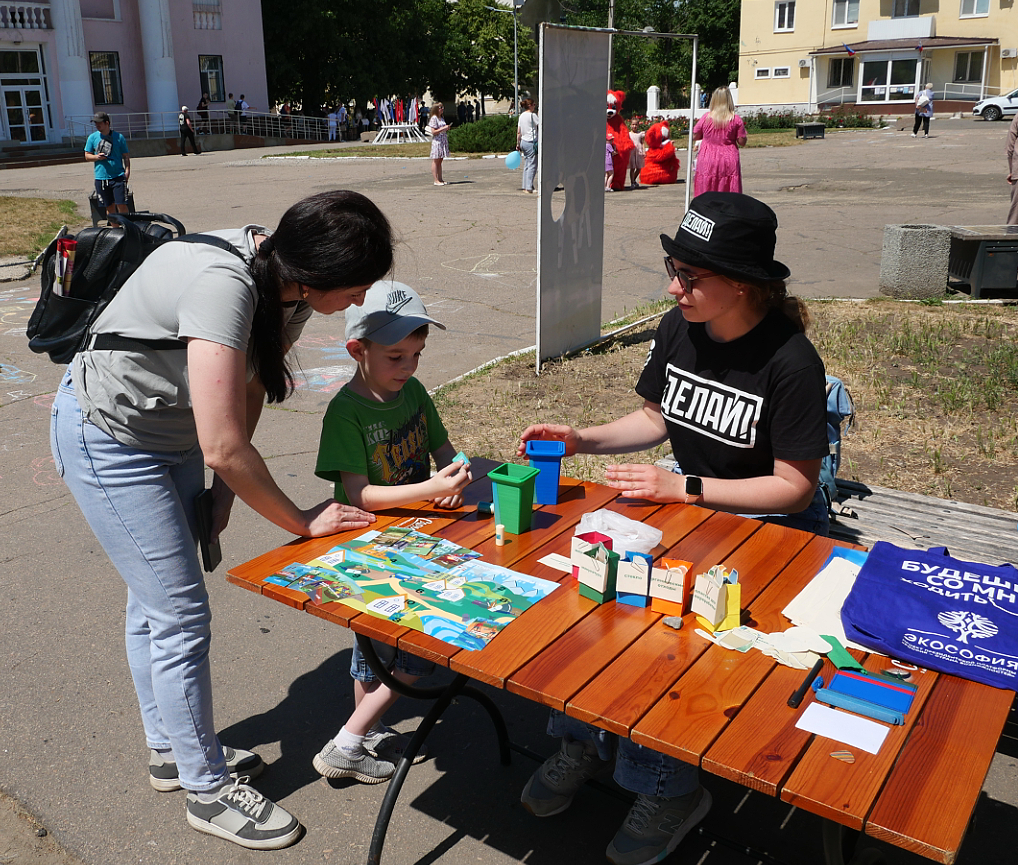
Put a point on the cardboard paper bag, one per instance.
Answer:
(717, 596)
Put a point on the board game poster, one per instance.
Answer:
(419, 582)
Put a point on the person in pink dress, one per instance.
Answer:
(721, 133)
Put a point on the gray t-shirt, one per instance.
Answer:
(182, 290)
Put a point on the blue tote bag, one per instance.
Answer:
(944, 614)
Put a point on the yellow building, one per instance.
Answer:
(872, 55)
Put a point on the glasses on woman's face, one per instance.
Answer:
(685, 278)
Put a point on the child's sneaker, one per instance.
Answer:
(390, 745)
(162, 774)
(333, 762)
(244, 816)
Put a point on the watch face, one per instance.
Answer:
(694, 486)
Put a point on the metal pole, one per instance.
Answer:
(692, 120)
(516, 63)
(611, 43)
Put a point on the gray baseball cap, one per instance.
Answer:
(390, 313)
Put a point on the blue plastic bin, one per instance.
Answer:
(546, 456)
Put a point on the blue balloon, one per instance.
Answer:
(513, 160)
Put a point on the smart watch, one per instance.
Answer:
(694, 488)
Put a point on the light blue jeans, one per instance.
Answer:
(140, 506)
(529, 149)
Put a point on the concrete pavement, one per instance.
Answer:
(71, 748)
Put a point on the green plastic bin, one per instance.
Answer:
(512, 487)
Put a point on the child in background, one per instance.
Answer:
(609, 169)
(378, 436)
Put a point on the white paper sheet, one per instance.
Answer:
(556, 561)
(843, 726)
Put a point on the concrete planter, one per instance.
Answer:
(914, 261)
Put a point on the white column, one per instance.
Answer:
(653, 103)
(71, 62)
(160, 73)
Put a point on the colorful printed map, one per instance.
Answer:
(420, 582)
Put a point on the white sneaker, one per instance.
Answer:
(244, 816)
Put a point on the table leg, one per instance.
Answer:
(840, 847)
(443, 697)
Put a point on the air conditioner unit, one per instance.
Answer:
(805, 61)
(1009, 52)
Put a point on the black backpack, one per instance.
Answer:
(104, 259)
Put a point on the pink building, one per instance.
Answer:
(62, 60)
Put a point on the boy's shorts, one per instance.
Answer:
(112, 191)
(406, 663)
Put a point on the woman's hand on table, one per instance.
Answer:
(648, 482)
(550, 432)
(330, 518)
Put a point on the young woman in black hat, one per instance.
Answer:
(732, 381)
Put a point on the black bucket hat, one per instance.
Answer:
(730, 233)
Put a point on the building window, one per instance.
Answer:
(106, 88)
(974, 8)
(968, 66)
(841, 72)
(781, 72)
(905, 9)
(846, 13)
(763, 72)
(784, 15)
(210, 71)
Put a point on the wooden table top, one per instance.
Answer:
(621, 668)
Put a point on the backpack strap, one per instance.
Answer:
(115, 342)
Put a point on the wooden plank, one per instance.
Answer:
(617, 698)
(565, 666)
(768, 723)
(689, 716)
(927, 802)
(845, 792)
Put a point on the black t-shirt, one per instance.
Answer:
(733, 408)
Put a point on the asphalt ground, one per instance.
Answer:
(72, 753)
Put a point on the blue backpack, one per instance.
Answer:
(839, 409)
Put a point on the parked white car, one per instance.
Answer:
(997, 106)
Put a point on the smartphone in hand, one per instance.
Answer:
(211, 553)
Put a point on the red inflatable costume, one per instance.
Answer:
(624, 146)
(661, 165)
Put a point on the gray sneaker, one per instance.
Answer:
(551, 788)
(390, 745)
(333, 762)
(162, 774)
(244, 816)
(655, 826)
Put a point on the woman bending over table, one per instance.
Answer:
(199, 338)
(734, 384)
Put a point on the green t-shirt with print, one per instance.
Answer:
(389, 442)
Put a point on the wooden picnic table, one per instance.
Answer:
(620, 668)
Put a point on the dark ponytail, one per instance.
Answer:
(773, 294)
(333, 240)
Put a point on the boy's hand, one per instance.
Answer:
(549, 432)
(450, 481)
(449, 502)
(331, 517)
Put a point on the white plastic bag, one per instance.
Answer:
(626, 534)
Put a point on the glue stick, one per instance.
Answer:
(500, 535)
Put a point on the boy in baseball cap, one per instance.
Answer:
(378, 437)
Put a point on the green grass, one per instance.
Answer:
(30, 223)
